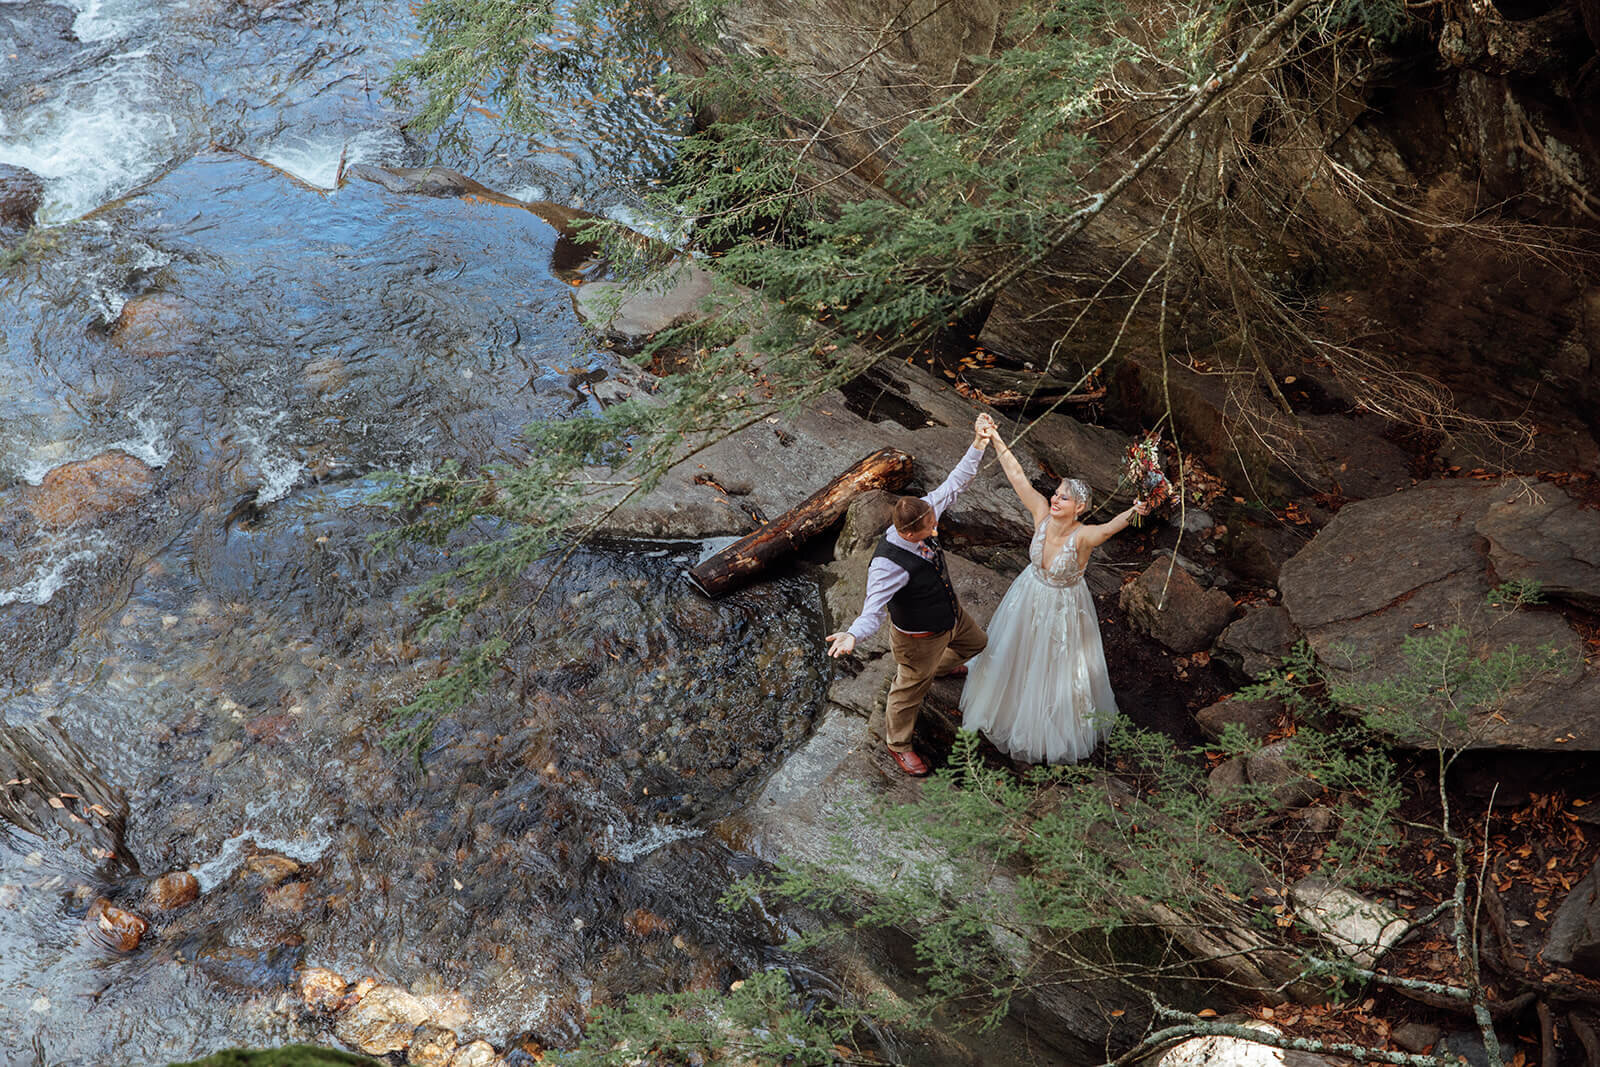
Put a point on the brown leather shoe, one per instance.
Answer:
(910, 762)
(955, 672)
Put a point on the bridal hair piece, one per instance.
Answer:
(1078, 490)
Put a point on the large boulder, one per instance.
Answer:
(1061, 445)
(632, 316)
(21, 193)
(1548, 538)
(1168, 604)
(1574, 939)
(1256, 642)
(1411, 564)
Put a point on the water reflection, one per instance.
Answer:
(208, 354)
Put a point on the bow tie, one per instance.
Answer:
(930, 545)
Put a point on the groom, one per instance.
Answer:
(930, 632)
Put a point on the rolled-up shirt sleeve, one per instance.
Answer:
(884, 580)
(958, 480)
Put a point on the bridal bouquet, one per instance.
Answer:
(1144, 471)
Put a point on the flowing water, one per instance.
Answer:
(208, 354)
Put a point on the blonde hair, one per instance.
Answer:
(1078, 490)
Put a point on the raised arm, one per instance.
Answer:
(1099, 534)
(1031, 498)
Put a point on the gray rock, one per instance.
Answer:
(632, 317)
(1409, 563)
(1376, 551)
(1259, 552)
(1416, 1037)
(1271, 768)
(868, 516)
(21, 193)
(1316, 820)
(1549, 539)
(1073, 449)
(1169, 605)
(1257, 642)
(1355, 457)
(1464, 1047)
(1362, 929)
(1574, 939)
(1258, 717)
(1227, 778)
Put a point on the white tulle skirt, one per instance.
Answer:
(1040, 690)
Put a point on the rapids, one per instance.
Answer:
(205, 360)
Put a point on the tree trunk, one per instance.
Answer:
(887, 468)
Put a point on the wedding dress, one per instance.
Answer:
(1040, 691)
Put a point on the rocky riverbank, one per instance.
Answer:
(1192, 606)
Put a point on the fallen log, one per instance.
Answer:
(887, 468)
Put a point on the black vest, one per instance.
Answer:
(926, 603)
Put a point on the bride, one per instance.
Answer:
(1040, 692)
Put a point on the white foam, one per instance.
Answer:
(315, 161)
(668, 229)
(219, 868)
(279, 469)
(530, 194)
(653, 838)
(101, 20)
(52, 567)
(149, 442)
(109, 294)
(96, 139)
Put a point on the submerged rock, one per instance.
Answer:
(384, 1020)
(88, 489)
(116, 928)
(153, 325)
(173, 890)
(476, 1054)
(387, 1018)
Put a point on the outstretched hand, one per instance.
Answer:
(1142, 507)
(984, 431)
(841, 644)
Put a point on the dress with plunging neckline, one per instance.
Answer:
(1041, 691)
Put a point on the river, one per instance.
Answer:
(208, 354)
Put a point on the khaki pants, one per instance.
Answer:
(920, 660)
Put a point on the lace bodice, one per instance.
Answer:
(1064, 569)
